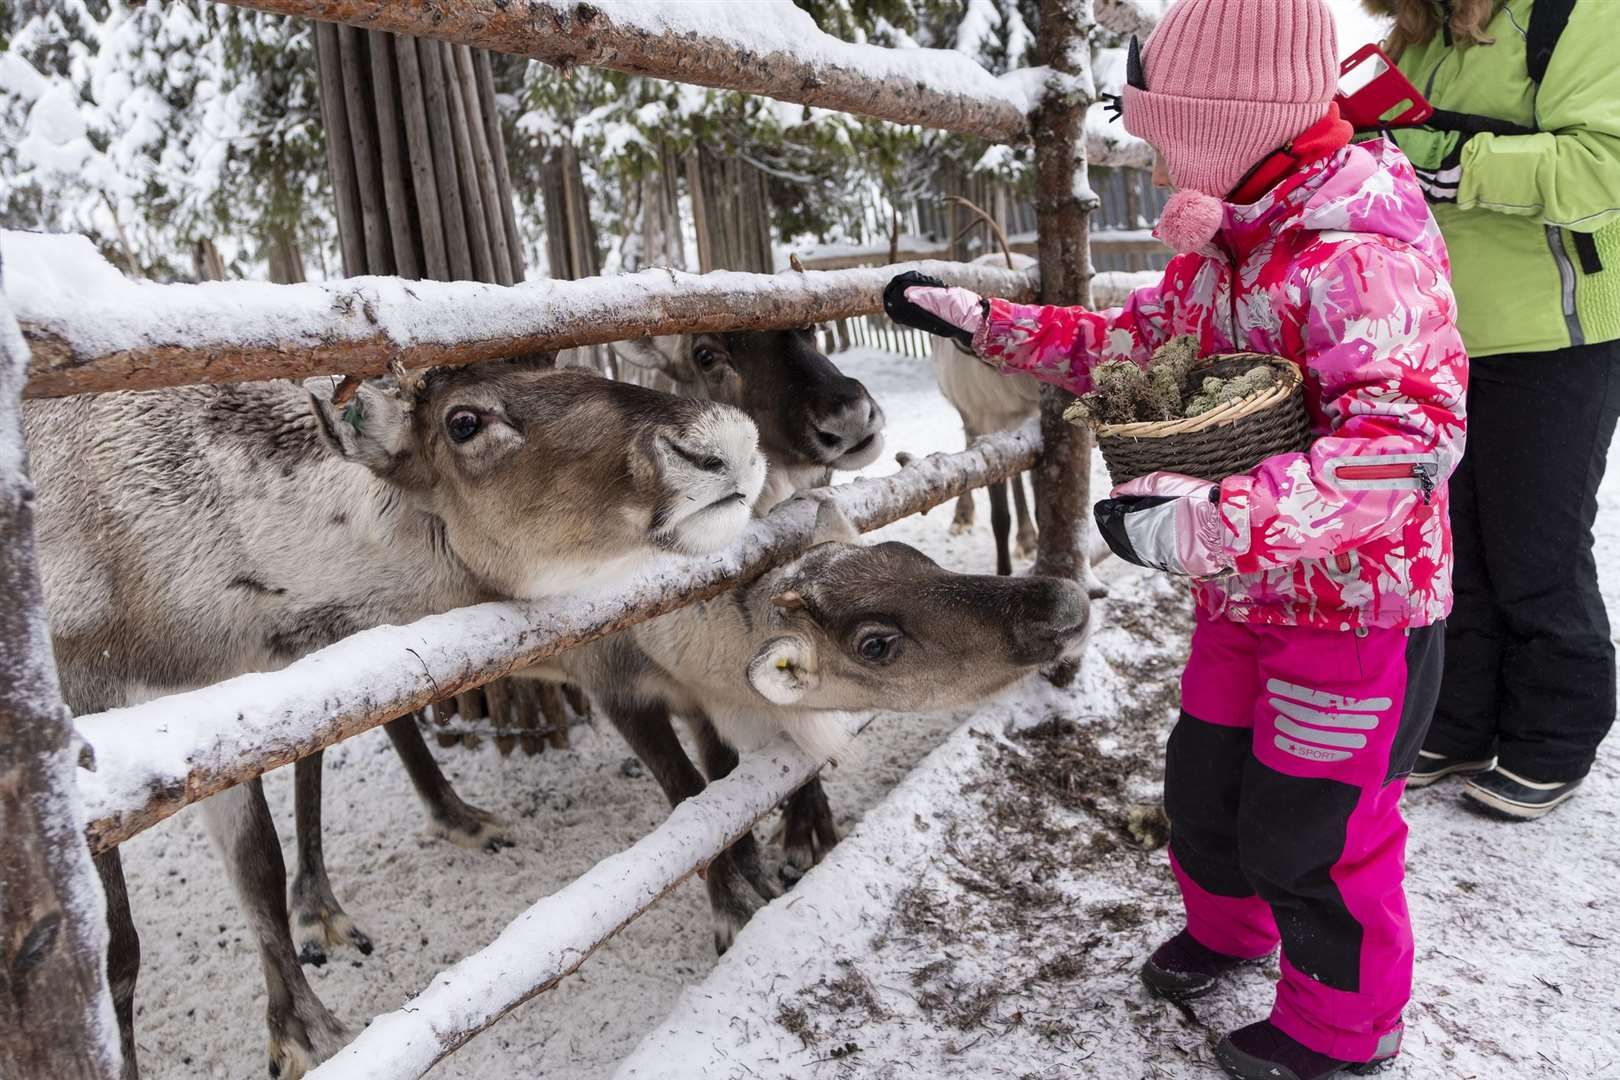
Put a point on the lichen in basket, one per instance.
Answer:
(1127, 393)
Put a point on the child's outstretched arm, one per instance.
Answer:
(1380, 333)
(1055, 344)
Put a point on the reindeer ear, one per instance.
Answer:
(784, 670)
(832, 526)
(371, 428)
(646, 353)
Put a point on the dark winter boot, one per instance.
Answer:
(1262, 1052)
(1182, 968)
(1508, 795)
(1432, 767)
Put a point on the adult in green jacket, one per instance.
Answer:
(1522, 168)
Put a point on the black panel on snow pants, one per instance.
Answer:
(1238, 828)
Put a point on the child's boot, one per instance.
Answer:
(1263, 1052)
(1182, 968)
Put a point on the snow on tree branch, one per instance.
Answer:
(92, 330)
(155, 758)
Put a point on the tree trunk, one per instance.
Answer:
(284, 256)
(56, 1017)
(1063, 203)
(206, 261)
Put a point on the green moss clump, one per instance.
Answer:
(1125, 393)
(1217, 392)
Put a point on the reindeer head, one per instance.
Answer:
(886, 627)
(809, 413)
(546, 479)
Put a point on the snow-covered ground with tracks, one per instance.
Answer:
(982, 920)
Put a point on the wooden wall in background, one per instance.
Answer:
(419, 172)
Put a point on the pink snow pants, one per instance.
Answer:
(1283, 783)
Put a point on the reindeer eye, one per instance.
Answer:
(462, 424)
(876, 647)
(705, 357)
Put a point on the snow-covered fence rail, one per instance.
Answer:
(781, 53)
(555, 936)
(110, 333)
(155, 758)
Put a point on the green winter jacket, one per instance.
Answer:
(1523, 283)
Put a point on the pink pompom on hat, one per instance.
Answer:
(1230, 81)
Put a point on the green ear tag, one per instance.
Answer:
(355, 416)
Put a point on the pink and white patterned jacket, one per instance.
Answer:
(1339, 268)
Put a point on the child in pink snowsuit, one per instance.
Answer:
(1322, 578)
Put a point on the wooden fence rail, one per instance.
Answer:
(784, 56)
(555, 936)
(145, 335)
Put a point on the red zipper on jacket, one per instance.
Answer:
(1421, 471)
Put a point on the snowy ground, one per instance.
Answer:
(984, 920)
(427, 903)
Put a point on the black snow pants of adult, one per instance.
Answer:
(1530, 664)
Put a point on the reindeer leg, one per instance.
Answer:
(718, 760)
(302, 1032)
(962, 520)
(448, 817)
(808, 829)
(123, 954)
(1027, 535)
(577, 700)
(318, 920)
(1001, 525)
(646, 726)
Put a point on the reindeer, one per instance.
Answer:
(844, 628)
(194, 534)
(811, 420)
(988, 402)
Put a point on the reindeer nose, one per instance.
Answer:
(1053, 623)
(848, 426)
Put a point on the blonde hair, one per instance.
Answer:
(1416, 21)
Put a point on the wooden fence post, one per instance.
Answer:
(56, 1018)
(1063, 202)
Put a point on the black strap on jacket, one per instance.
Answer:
(1548, 18)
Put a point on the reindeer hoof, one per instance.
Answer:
(319, 925)
(297, 1046)
(961, 527)
(1026, 546)
(469, 827)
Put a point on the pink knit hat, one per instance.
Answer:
(1228, 82)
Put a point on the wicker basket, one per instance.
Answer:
(1233, 438)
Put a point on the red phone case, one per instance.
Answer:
(1388, 100)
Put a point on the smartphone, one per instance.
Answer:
(1374, 94)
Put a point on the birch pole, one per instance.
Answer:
(1063, 203)
(56, 1017)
